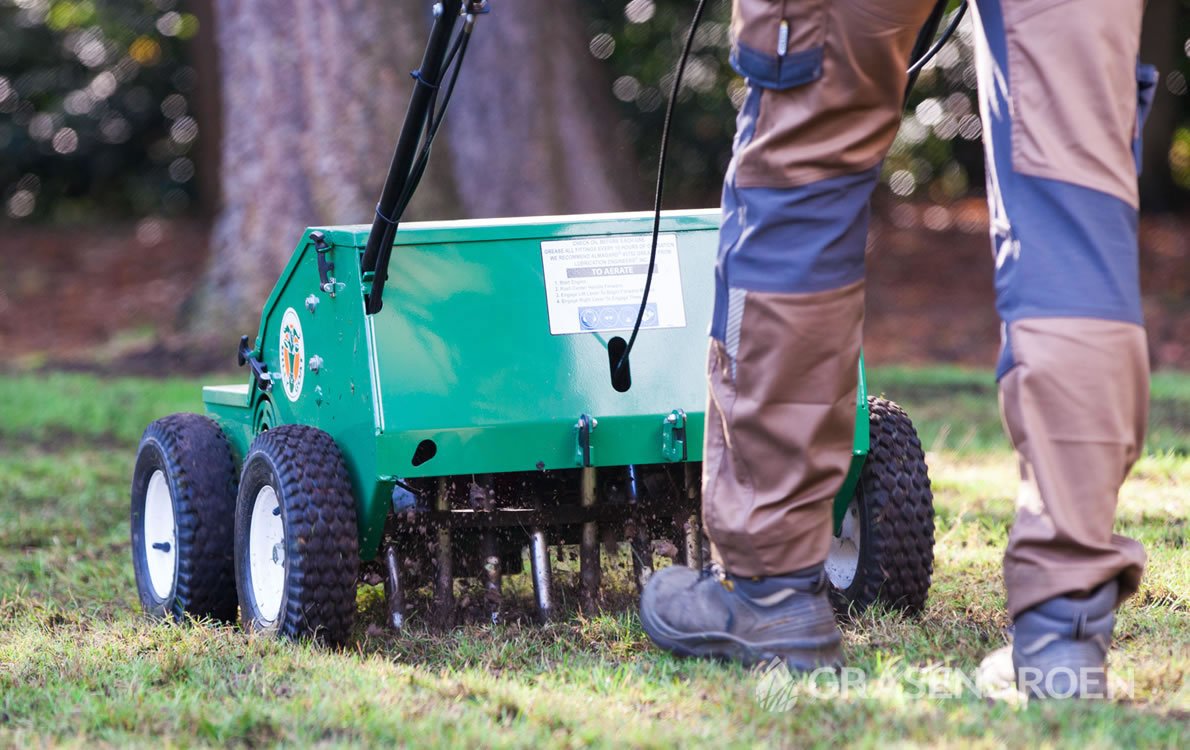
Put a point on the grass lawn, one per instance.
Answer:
(79, 665)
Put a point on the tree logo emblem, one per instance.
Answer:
(293, 355)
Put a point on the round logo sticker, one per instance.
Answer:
(293, 355)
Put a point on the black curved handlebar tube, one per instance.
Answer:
(427, 78)
(922, 47)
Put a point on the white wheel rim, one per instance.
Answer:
(842, 561)
(266, 554)
(160, 536)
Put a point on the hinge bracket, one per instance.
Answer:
(673, 436)
(326, 282)
(584, 453)
(260, 371)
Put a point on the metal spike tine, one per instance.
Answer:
(543, 586)
(493, 579)
(692, 531)
(483, 494)
(589, 572)
(444, 594)
(639, 540)
(642, 557)
(695, 555)
(393, 590)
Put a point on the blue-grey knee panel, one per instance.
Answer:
(1069, 252)
(809, 238)
(1062, 250)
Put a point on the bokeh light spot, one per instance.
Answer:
(103, 86)
(639, 11)
(170, 23)
(626, 88)
(184, 130)
(149, 232)
(1175, 82)
(602, 46)
(41, 127)
(66, 141)
(21, 204)
(902, 182)
(145, 51)
(174, 106)
(929, 112)
(181, 170)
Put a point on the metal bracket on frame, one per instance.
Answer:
(326, 282)
(584, 454)
(246, 355)
(673, 436)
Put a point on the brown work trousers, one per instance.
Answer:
(1058, 83)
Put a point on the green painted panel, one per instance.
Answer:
(861, 443)
(335, 392)
(468, 360)
(236, 423)
(226, 395)
(462, 355)
(529, 227)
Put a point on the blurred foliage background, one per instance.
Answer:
(97, 118)
(937, 155)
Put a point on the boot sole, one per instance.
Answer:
(802, 655)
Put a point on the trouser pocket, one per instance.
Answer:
(778, 44)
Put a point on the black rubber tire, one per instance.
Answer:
(896, 518)
(306, 470)
(196, 460)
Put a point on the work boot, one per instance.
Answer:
(750, 620)
(1059, 648)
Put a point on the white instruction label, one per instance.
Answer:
(595, 283)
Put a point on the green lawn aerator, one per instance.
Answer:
(484, 402)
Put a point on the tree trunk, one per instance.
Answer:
(533, 132)
(313, 95)
(204, 57)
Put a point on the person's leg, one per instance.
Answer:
(1059, 102)
(825, 87)
(788, 315)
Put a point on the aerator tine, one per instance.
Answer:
(444, 582)
(543, 585)
(588, 555)
(483, 497)
(638, 532)
(394, 590)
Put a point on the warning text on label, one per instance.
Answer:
(596, 283)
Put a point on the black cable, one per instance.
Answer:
(450, 56)
(920, 63)
(669, 110)
(428, 75)
(435, 121)
(914, 69)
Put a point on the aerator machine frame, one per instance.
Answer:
(479, 409)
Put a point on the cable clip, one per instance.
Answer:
(385, 219)
(417, 76)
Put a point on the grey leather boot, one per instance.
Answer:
(694, 613)
(1059, 648)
